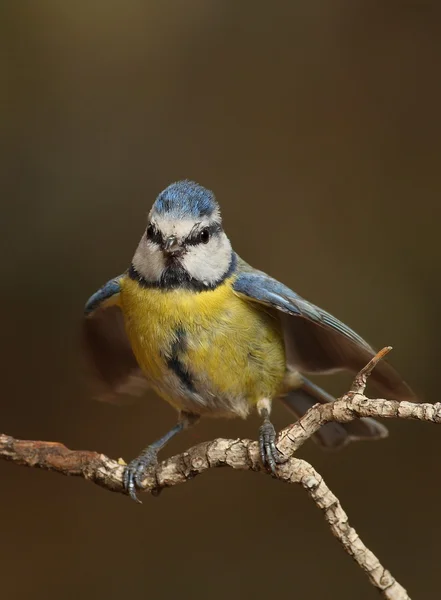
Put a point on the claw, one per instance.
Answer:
(137, 469)
(269, 453)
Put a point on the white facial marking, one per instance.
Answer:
(149, 260)
(206, 263)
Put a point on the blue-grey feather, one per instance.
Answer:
(186, 199)
(108, 290)
(315, 341)
(265, 289)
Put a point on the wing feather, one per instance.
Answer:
(315, 341)
(113, 368)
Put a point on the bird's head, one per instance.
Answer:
(184, 244)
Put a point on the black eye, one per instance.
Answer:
(201, 236)
(204, 236)
(150, 231)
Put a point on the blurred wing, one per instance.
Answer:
(315, 341)
(113, 365)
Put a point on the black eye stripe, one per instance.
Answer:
(199, 236)
(154, 235)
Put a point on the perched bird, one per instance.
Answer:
(215, 337)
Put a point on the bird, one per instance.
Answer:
(215, 337)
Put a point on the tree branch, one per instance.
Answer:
(244, 455)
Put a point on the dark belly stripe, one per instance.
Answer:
(174, 362)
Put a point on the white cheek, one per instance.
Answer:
(208, 262)
(149, 260)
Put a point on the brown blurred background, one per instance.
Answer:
(317, 124)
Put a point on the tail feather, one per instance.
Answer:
(332, 435)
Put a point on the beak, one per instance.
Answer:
(171, 245)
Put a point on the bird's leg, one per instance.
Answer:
(136, 470)
(269, 454)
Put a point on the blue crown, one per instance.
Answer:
(186, 199)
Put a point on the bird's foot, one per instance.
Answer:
(137, 469)
(269, 454)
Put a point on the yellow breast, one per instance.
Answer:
(210, 351)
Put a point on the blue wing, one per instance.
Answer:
(106, 295)
(315, 341)
(112, 364)
(262, 288)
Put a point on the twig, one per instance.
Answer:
(244, 455)
(360, 381)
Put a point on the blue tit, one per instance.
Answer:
(215, 337)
